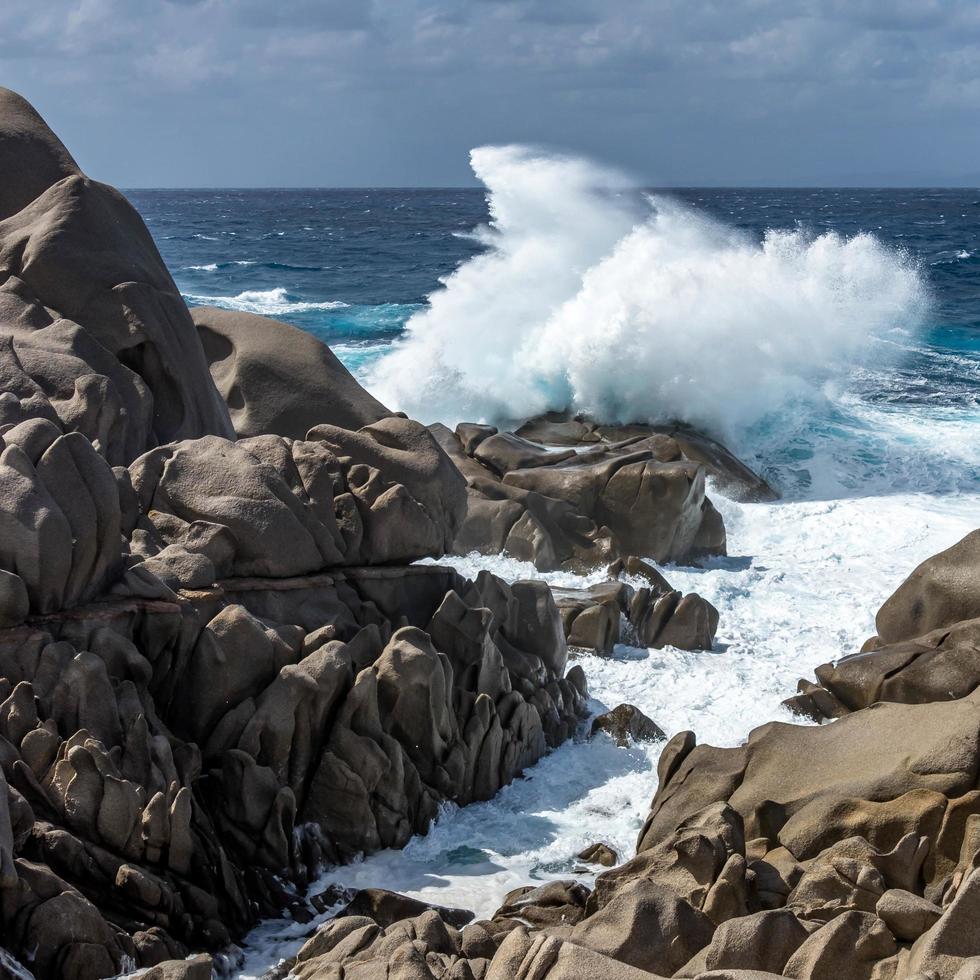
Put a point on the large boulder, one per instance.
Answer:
(943, 590)
(98, 338)
(731, 476)
(278, 379)
(578, 510)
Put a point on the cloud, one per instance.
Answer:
(675, 88)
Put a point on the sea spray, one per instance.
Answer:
(595, 298)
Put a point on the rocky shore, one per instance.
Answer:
(223, 666)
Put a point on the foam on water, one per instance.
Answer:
(266, 302)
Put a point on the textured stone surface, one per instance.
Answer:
(563, 509)
(219, 668)
(279, 379)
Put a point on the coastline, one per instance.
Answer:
(250, 628)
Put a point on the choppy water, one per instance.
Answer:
(867, 415)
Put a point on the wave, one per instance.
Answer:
(593, 297)
(215, 266)
(267, 302)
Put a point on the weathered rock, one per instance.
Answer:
(591, 618)
(382, 495)
(857, 939)
(646, 927)
(906, 914)
(952, 941)
(943, 590)
(599, 853)
(565, 509)
(195, 968)
(59, 526)
(557, 903)
(32, 158)
(732, 476)
(277, 379)
(763, 941)
(503, 452)
(940, 666)
(688, 622)
(625, 724)
(864, 756)
(102, 342)
(385, 908)
(654, 506)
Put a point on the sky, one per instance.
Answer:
(184, 93)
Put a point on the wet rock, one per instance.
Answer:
(731, 475)
(688, 622)
(625, 724)
(599, 853)
(386, 907)
(591, 618)
(504, 451)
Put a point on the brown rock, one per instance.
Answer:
(194, 968)
(625, 724)
(278, 379)
(943, 590)
(387, 907)
(599, 853)
(906, 914)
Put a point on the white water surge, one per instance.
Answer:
(594, 299)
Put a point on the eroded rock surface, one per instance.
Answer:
(635, 491)
(653, 615)
(220, 667)
(278, 378)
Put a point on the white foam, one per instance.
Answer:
(594, 298)
(267, 302)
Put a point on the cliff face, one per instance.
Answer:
(219, 667)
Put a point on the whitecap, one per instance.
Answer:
(267, 302)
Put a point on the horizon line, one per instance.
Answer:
(479, 187)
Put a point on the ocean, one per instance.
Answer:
(830, 336)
